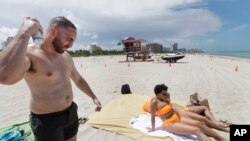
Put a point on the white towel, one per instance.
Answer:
(143, 121)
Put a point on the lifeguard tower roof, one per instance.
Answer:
(132, 39)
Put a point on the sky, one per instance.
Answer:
(209, 25)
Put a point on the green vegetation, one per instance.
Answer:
(79, 53)
(86, 53)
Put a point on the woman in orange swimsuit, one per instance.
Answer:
(161, 106)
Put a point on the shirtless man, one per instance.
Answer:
(47, 70)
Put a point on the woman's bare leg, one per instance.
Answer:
(202, 109)
(209, 115)
(185, 129)
(208, 122)
(208, 131)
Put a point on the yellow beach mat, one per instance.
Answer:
(116, 115)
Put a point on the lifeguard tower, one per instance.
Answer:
(132, 49)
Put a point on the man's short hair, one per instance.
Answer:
(159, 88)
(61, 21)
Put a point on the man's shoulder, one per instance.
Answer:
(34, 52)
(32, 49)
(67, 56)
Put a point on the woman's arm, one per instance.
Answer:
(153, 108)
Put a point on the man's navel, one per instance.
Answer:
(67, 97)
(49, 74)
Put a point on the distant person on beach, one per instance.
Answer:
(162, 106)
(47, 70)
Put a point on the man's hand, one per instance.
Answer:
(98, 104)
(98, 109)
(31, 25)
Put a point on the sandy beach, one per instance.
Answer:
(225, 82)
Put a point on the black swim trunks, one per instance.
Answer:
(58, 126)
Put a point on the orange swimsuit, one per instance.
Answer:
(162, 111)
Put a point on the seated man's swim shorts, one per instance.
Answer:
(58, 126)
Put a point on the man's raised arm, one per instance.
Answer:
(13, 60)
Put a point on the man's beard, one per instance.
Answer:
(57, 45)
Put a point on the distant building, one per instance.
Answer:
(175, 47)
(94, 48)
(195, 51)
(183, 50)
(155, 47)
(166, 49)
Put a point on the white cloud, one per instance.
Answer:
(70, 15)
(94, 36)
(241, 27)
(210, 41)
(78, 46)
(6, 32)
(105, 21)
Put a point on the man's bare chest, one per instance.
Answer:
(46, 67)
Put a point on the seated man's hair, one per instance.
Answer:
(159, 88)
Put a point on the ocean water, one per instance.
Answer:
(239, 54)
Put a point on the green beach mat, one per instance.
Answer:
(23, 127)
